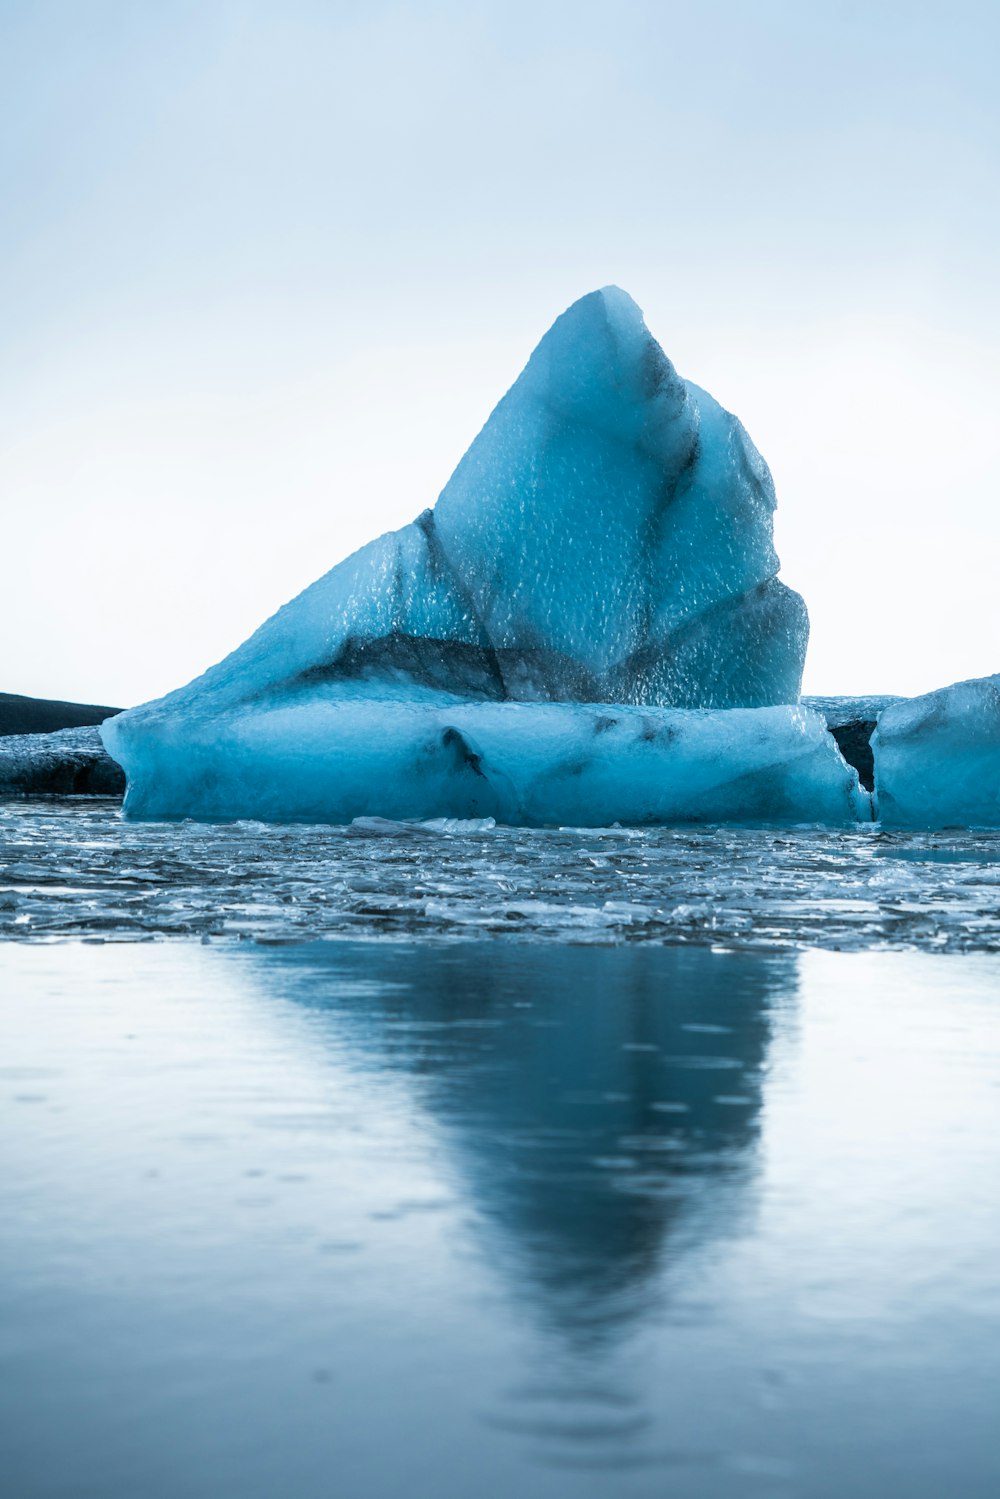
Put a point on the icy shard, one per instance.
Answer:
(937, 758)
(606, 539)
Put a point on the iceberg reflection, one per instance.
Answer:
(575, 1221)
(600, 1108)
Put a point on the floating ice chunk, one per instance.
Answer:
(385, 827)
(606, 538)
(937, 758)
(320, 758)
(468, 826)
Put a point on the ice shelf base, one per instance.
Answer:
(528, 765)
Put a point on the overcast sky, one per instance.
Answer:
(267, 267)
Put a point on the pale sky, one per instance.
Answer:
(268, 265)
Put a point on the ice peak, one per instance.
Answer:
(599, 361)
(609, 304)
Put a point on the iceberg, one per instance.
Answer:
(607, 539)
(937, 758)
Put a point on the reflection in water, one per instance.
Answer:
(592, 1099)
(560, 1223)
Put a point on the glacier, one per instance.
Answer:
(607, 539)
(937, 758)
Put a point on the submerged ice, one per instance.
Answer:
(607, 539)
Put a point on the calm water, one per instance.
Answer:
(499, 1218)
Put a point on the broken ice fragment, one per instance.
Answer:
(937, 758)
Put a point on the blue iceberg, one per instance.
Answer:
(937, 758)
(606, 540)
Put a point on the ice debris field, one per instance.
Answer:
(586, 629)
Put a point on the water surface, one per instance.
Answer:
(495, 1218)
(74, 868)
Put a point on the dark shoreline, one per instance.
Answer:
(44, 715)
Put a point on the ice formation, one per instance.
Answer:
(606, 539)
(937, 758)
(69, 762)
(524, 764)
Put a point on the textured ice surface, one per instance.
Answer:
(607, 538)
(75, 869)
(937, 758)
(69, 762)
(532, 765)
(839, 711)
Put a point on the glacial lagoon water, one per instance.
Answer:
(331, 1200)
(72, 868)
